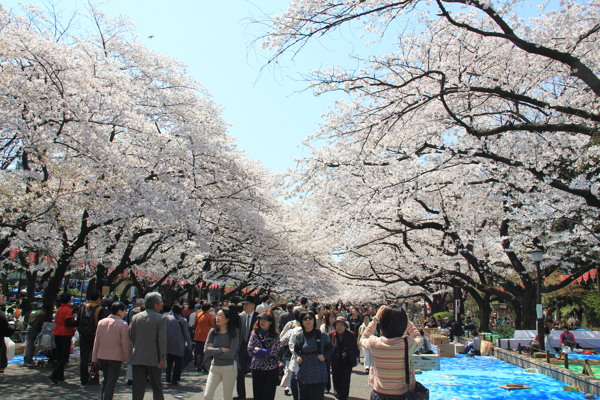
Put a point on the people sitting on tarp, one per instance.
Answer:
(534, 345)
(473, 347)
(567, 339)
(426, 348)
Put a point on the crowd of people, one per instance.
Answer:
(306, 349)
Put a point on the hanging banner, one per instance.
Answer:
(31, 258)
(12, 253)
(49, 260)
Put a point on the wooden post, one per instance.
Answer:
(508, 345)
(587, 369)
(519, 348)
(499, 343)
(566, 360)
(548, 356)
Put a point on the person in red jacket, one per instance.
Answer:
(203, 324)
(63, 332)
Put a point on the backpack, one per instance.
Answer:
(87, 321)
(301, 343)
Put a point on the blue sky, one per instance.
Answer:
(270, 112)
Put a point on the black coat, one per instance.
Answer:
(6, 330)
(348, 344)
(286, 317)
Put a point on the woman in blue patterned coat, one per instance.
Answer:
(263, 347)
(311, 348)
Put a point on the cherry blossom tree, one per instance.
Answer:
(113, 154)
(473, 141)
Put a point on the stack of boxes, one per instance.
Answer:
(445, 349)
(459, 348)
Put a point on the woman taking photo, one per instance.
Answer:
(310, 348)
(222, 344)
(263, 347)
(389, 352)
(344, 357)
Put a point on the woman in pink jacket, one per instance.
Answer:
(111, 348)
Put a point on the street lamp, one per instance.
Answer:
(537, 255)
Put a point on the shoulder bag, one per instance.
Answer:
(420, 392)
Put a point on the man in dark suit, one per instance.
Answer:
(287, 316)
(247, 320)
(148, 336)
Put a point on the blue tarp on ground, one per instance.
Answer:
(480, 378)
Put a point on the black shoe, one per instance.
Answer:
(53, 379)
(168, 380)
(129, 382)
(174, 383)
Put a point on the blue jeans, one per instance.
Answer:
(31, 336)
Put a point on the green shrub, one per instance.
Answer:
(443, 314)
(506, 332)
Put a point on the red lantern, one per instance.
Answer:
(12, 253)
(31, 258)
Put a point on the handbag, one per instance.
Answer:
(420, 392)
(206, 362)
(94, 375)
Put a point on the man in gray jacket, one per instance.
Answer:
(148, 337)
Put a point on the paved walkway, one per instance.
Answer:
(21, 383)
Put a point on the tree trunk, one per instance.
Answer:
(485, 311)
(438, 303)
(31, 278)
(527, 309)
(53, 287)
